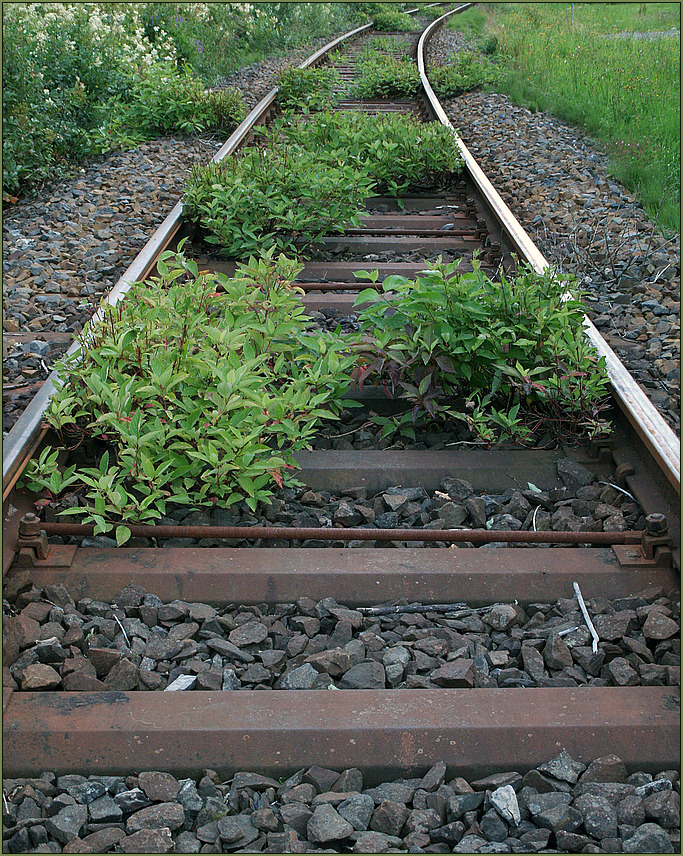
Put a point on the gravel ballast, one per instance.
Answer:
(561, 806)
(51, 641)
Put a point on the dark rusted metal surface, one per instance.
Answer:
(444, 243)
(332, 533)
(645, 480)
(354, 577)
(12, 514)
(492, 470)
(383, 733)
(457, 220)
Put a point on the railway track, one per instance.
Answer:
(469, 719)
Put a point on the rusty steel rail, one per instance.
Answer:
(657, 436)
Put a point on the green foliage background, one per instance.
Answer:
(624, 90)
(74, 73)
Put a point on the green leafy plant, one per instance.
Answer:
(164, 99)
(308, 88)
(466, 71)
(430, 12)
(309, 179)
(396, 151)
(196, 391)
(386, 76)
(388, 20)
(284, 197)
(384, 45)
(513, 351)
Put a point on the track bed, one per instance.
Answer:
(489, 664)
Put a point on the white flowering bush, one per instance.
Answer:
(74, 73)
(61, 61)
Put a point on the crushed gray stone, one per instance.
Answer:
(325, 646)
(320, 810)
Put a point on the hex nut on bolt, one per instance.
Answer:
(657, 524)
(29, 525)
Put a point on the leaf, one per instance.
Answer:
(277, 477)
(534, 488)
(367, 295)
(445, 364)
(424, 384)
(123, 534)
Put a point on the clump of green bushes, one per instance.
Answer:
(509, 358)
(308, 179)
(464, 72)
(195, 390)
(163, 99)
(307, 88)
(383, 76)
(389, 19)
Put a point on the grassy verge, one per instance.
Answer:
(623, 90)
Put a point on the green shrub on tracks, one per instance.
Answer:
(382, 76)
(283, 197)
(508, 358)
(307, 88)
(195, 391)
(311, 178)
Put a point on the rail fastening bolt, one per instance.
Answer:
(29, 525)
(657, 524)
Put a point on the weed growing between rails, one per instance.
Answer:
(196, 391)
(307, 88)
(388, 19)
(514, 351)
(382, 75)
(308, 179)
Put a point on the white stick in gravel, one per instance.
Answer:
(587, 618)
(125, 635)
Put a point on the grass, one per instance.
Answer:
(624, 91)
(470, 23)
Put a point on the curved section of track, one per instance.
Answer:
(651, 428)
(474, 730)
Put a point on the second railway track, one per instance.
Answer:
(484, 693)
